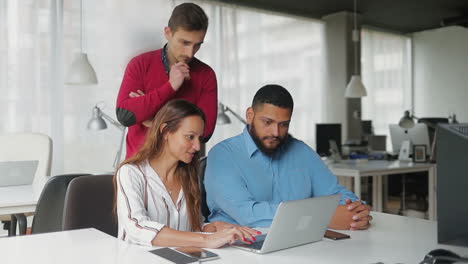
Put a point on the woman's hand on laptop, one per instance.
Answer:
(220, 225)
(229, 234)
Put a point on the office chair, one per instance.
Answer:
(49, 210)
(89, 204)
(25, 146)
(201, 176)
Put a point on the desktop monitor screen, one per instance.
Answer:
(452, 184)
(417, 135)
(366, 126)
(325, 132)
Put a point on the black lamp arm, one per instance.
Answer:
(227, 109)
(112, 121)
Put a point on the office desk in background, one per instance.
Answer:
(20, 199)
(379, 168)
(391, 239)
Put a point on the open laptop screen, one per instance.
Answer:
(17, 172)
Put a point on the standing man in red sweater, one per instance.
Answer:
(153, 78)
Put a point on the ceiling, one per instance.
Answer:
(403, 16)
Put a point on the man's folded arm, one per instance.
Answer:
(134, 110)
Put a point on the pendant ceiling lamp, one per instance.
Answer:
(81, 71)
(355, 87)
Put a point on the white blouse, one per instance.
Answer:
(144, 205)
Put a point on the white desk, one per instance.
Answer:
(20, 199)
(379, 168)
(391, 239)
(72, 247)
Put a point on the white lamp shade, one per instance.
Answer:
(406, 123)
(97, 122)
(223, 119)
(81, 71)
(355, 88)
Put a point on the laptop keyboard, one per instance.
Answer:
(258, 244)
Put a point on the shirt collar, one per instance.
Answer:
(249, 142)
(251, 146)
(164, 59)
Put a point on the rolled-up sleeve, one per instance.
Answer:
(135, 225)
(324, 182)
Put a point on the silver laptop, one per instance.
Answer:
(17, 172)
(296, 223)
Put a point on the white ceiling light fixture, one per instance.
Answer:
(355, 87)
(81, 71)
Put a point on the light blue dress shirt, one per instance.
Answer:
(244, 186)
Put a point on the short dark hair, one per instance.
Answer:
(273, 94)
(188, 16)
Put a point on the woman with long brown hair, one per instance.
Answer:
(157, 190)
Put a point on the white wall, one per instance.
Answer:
(441, 73)
(115, 31)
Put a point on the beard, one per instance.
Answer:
(259, 141)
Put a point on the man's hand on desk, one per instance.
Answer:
(352, 215)
(146, 123)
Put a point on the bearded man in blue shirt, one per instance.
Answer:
(249, 175)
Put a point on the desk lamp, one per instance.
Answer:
(97, 122)
(223, 118)
(407, 120)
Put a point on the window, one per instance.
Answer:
(386, 73)
(250, 48)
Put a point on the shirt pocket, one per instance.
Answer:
(299, 185)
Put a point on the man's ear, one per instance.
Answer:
(249, 115)
(167, 33)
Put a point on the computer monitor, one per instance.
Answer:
(452, 184)
(325, 132)
(366, 126)
(417, 135)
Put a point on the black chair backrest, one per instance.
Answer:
(89, 204)
(49, 210)
(201, 176)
